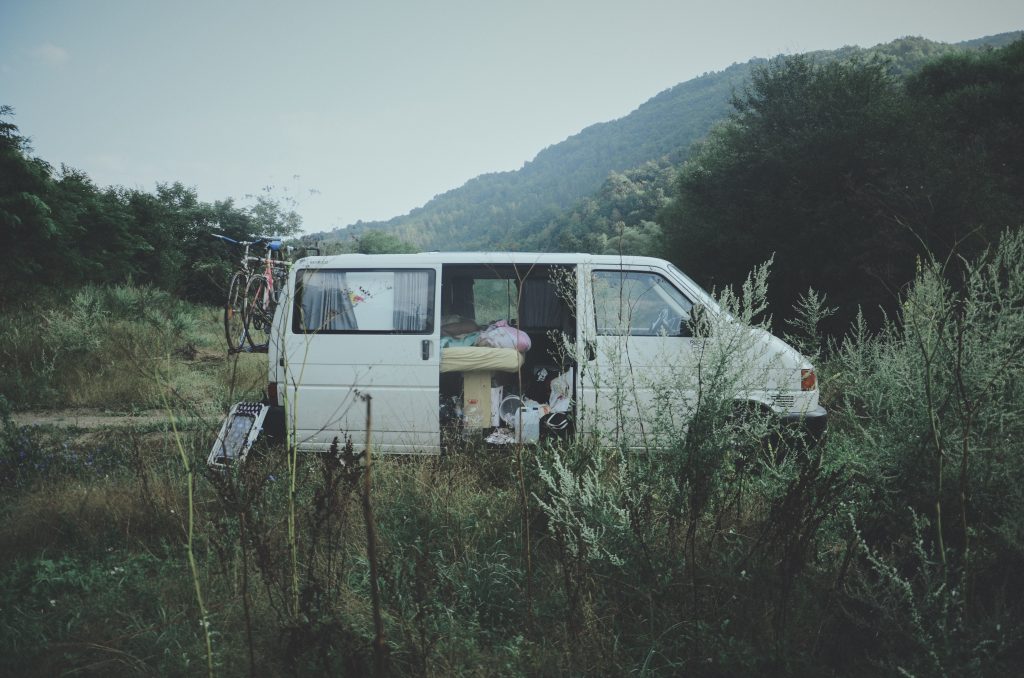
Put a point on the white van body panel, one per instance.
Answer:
(626, 379)
(330, 381)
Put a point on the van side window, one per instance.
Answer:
(373, 301)
(495, 299)
(638, 304)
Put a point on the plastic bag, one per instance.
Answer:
(561, 392)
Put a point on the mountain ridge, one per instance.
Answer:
(490, 210)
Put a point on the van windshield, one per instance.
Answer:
(637, 303)
(703, 297)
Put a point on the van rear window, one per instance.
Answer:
(399, 301)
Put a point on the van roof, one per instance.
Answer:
(485, 258)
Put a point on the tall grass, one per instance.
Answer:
(893, 548)
(108, 347)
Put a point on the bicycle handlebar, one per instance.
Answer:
(272, 244)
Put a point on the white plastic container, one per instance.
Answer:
(528, 425)
(508, 410)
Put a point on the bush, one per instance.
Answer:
(893, 548)
(115, 347)
(931, 408)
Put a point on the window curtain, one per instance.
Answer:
(325, 302)
(457, 297)
(414, 301)
(541, 307)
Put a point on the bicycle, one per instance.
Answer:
(252, 296)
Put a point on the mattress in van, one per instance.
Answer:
(474, 358)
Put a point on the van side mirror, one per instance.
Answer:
(697, 325)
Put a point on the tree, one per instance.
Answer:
(846, 174)
(25, 214)
(379, 242)
(618, 219)
(62, 231)
(792, 172)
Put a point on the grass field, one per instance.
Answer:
(894, 548)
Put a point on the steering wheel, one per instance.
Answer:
(666, 323)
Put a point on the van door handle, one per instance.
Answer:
(590, 350)
(425, 349)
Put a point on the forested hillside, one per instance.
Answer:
(536, 207)
(848, 174)
(481, 213)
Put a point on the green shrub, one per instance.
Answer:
(893, 548)
(119, 347)
(932, 406)
(95, 614)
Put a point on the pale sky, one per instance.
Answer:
(380, 105)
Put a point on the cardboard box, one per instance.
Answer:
(476, 398)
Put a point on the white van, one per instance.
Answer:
(509, 347)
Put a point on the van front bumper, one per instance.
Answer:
(812, 424)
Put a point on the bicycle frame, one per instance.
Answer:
(262, 303)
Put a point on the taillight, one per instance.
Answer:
(808, 380)
(272, 392)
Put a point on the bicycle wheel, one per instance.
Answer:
(258, 313)
(234, 325)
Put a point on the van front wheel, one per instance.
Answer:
(751, 430)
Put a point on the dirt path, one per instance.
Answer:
(93, 419)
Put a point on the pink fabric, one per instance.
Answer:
(503, 335)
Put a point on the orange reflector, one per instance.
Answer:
(808, 380)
